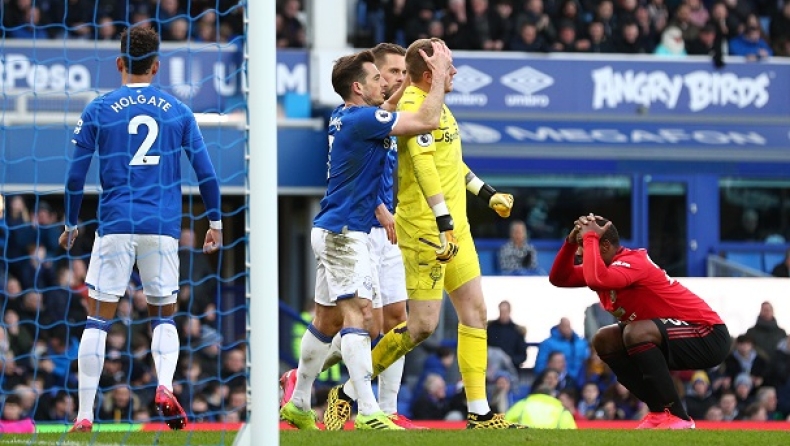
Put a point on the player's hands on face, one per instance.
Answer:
(501, 203)
(441, 59)
(213, 241)
(387, 221)
(66, 240)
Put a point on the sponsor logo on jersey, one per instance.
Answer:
(621, 263)
(383, 116)
(425, 140)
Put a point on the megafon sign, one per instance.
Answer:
(703, 89)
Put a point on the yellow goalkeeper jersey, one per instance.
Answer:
(445, 146)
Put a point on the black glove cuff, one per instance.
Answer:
(444, 222)
(486, 192)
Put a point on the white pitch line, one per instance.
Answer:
(33, 442)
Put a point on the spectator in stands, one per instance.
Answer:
(566, 39)
(119, 405)
(548, 379)
(502, 23)
(13, 374)
(779, 30)
(234, 368)
(727, 25)
(518, 257)
(705, 44)
(766, 398)
(604, 13)
(165, 11)
(749, 229)
(648, 32)
(599, 42)
(672, 44)
(563, 339)
(596, 317)
(597, 372)
(12, 409)
(61, 408)
(432, 404)
(505, 334)
(659, 14)
(12, 293)
(533, 12)
(779, 375)
(569, 12)
(698, 14)
(418, 26)
(528, 40)
(714, 413)
(20, 234)
(751, 45)
(744, 359)
(590, 400)
(744, 386)
(293, 28)
(501, 393)
(499, 363)
(699, 398)
(438, 363)
(728, 402)
(766, 333)
(178, 30)
(19, 339)
(754, 412)
(782, 269)
(682, 20)
(557, 361)
(457, 32)
(627, 405)
(62, 304)
(629, 41)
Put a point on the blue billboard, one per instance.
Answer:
(513, 83)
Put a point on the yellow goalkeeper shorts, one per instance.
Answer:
(426, 278)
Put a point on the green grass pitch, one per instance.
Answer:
(419, 438)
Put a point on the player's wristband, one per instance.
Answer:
(215, 224)
(70, 228)
(443, 218)
(481, 189)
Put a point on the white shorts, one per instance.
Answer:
(113, 257)
(389, 277)
(342, 266)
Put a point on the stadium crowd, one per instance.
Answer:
(44, 314)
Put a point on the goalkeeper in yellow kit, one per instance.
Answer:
(438, 251)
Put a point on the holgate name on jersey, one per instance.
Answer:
(156, 101)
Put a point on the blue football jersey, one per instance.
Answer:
(386, 189)
(358, 146)
(138, 132)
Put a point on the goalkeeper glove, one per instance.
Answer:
(499, 202)
(447, 247)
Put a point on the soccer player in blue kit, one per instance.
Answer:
(359, 140)
(138, 133)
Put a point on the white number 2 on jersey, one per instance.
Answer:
(140, 158)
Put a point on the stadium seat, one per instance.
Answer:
(751, 259)
(771, 259)
(488, 262)
(546, 259)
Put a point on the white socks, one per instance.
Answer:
(90, 360)
(313, 351)
(355, 345)
(334, 356)
(389, 385)
(164, 348)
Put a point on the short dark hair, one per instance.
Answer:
(415, 64)
(381, 50)
(611, 234)
(348, 69)
(139, 49)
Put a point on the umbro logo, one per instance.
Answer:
(469, 79)
(527, 80)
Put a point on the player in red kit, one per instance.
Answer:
(662, 325)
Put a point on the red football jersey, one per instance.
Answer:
(632, 288)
